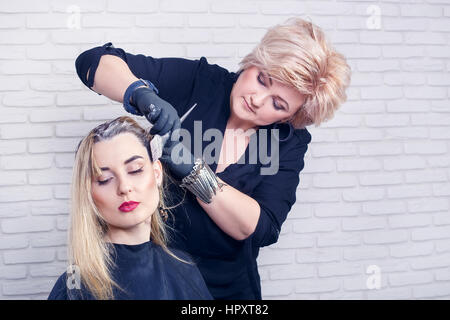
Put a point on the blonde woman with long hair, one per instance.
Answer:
(117, 243)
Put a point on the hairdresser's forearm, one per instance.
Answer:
(234, 212)
(112, 77)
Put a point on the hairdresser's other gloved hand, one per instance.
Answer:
(177, 157)
(158, 112)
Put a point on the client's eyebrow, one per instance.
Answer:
(125, 162)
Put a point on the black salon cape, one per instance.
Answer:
(145, 272)
(228, 266)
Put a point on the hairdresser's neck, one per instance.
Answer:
(131, 236)
(235, 123)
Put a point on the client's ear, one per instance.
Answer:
(158, 170)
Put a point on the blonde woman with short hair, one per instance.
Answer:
(117, 238)
(234, 206)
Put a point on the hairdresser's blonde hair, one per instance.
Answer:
(87, 247)
(297, 54)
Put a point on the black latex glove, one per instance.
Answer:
(177, 157)
(158, 112)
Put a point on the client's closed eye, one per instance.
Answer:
(103, 182)
(136, 171)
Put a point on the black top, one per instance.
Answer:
(144, 272)
(228, 266)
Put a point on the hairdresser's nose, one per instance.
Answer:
(258, 99)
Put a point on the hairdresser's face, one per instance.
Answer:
(127, 175)
(261, 100)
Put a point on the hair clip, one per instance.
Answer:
(156, 146)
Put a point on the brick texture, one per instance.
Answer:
(374, 197)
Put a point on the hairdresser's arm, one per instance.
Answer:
(109, 71)
(112, 78)
(258, 215)
(234, 212)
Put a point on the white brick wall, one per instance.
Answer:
(376, 185)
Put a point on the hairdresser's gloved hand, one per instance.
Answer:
(177, 157)
(158, 112)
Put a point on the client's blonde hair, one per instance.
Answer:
(297, 54)
(87, 247)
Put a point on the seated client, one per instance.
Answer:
(117, 243)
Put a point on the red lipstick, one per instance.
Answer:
(128, 206)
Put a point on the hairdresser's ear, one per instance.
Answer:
(158, 171)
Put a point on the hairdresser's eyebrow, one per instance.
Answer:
(125, 162)
(270, 80)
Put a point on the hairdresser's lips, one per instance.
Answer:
(128, 206)
(246, 106)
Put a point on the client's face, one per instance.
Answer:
(260, 100)
(126, 193)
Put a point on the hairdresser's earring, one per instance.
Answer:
(287, 136)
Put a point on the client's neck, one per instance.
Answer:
(132, 236)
